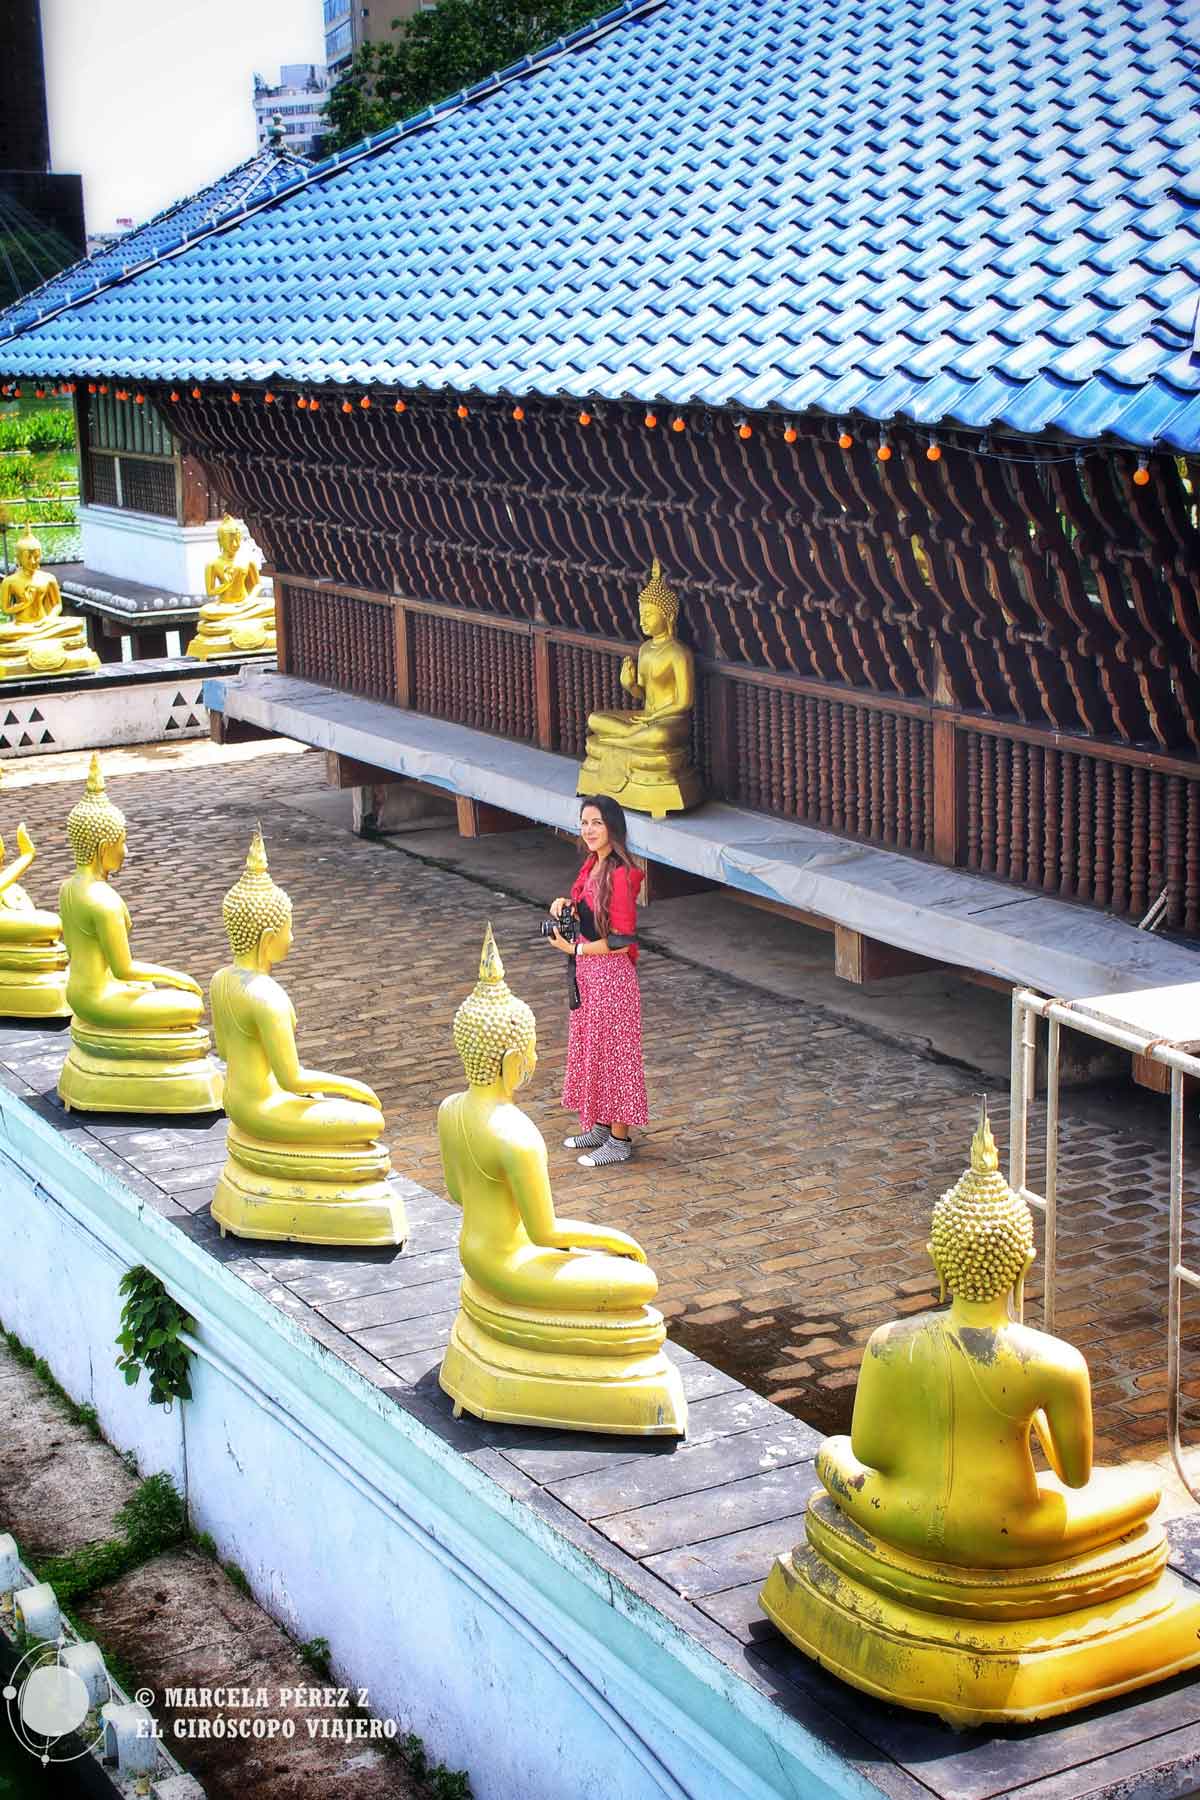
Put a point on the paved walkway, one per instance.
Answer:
(783, 1191)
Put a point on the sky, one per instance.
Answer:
(151, 99)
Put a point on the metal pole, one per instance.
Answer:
(1050, 1240)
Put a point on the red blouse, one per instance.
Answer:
(622, 906)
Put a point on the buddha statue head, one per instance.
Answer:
(229, 534)
(494, 1032)
(95, 827)
(257, 913)
(658, 605)
(982, 1237)
(28, 552)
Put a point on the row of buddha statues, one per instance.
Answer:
(941, 1568)
(38, 638)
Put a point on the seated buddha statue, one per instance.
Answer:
(304, 1158)
(36, 636)
(941, 1568)
(33, 957)
(238, 614)
(137, 1044)
(555, 1325)
(642, 757)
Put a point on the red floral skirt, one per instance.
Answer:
(605, 1079)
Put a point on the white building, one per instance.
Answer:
(300, 102)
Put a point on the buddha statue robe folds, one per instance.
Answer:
(36, 636)
(555, 1325)
(238, 615)
(941, 1569)
(33, 957)
(304, 1158)
(137, 1044)
(643, 757)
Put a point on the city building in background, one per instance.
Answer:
(349, 24)
(299, 103)
(41, 215)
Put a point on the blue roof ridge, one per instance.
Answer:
(312, 173)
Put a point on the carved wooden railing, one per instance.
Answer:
(1108, 824)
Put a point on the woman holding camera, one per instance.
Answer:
(605, 1081)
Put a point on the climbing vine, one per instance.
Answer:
(151, 1324)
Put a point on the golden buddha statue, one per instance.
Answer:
(237, 614)
(33, 957)
(137, 1044)
(555, 1325)
(643, 757)
(941, 1569)
(304, 1159)
(36, 637)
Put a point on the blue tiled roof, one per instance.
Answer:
(983, 212)
(228, 196)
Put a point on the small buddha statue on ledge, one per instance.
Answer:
(238, 615)
(643, 757)
(36, 636)
(555, 1325)
(941, 1569)
(305, 1162)
(33, 957)
(137, 1044)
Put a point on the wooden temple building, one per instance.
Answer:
(877, 325)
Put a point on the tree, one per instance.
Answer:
(435, 54)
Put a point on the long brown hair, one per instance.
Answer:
(618, 831)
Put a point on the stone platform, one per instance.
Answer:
(149, 702)
(680, 1538)
(949, 916)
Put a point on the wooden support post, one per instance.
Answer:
(282, 662)
(860, 959)
(477, 819)
(107, 638)
(195, 498)
(149, 643)
(722, 699)
(545, 708)
(348, 772)
(666, 883)
(402, 625)
(1156, 1076)
(949, 798)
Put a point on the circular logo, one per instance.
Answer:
(47, 1702)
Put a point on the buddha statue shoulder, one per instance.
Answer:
(939, 1554)
(641, 756)
(304, 1158)
(33, 957)
(137, 1042)
(239, 613)
(558, 1287)
(36, 636)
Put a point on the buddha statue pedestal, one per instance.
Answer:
(33, 957)
(237, 616)
(304, 1162)
(554, 1325)
(597, 1371)
(137, 1044)
(940, 1569)
(643, 757)
(36, 636)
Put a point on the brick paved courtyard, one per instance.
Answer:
(783, 1190)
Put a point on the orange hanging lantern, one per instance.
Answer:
(346, 406)
(365, 402)
(174, 397)
(195, 393)
(790, 434)
(650, 421)
(39, 393)
(1141, 475)
(884, 452)
(585, 418)
(236, 397)
(314, 406)
(745, 431)
(934, 452)
(518, 413)
(400, 406)
(844, 440)
(462, 410)
(268, 398)
(91, 388)
(301, 402)
(678, 424)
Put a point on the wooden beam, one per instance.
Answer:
(402, 625)
(348, 772)
(949, 793)
(860, 959)
(545, 699)
(1156, 1076)
(666, 883)
(476, 818)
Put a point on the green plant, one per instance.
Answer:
(205, 1543)
(80, 1415)
(16, 475)
(43, 428)
(237, 1577)
(151, 1325)
(315, 1655)
(443, 1783)
(152, 1520)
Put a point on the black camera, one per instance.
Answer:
(567, 924)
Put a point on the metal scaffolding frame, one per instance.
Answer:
(1128, 1022)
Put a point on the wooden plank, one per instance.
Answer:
(796, 914)
(391, 1306)
(690, 1468)
(477, 819)
(949, 793)
(862, 959)
(545, 697)
(1155, 1077)
(647, 1531)
(194, 492)
(402, 625)
(740, 1556)
(282, 647)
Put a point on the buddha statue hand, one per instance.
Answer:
(569, 1234)
(317, 1081)
(629, 680)
(24, 841)
(162, 977)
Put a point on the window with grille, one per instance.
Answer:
(131, 460)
